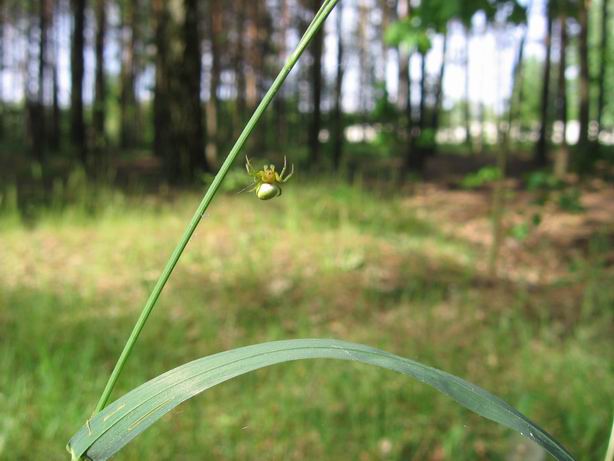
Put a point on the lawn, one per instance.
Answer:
(355, 263)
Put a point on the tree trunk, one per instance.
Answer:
(404, 100)
(215, 29)
(385, 22)
(255, 68)
(162, 118)
(2, 50)
(40, 130)
(584, 83)
(54, 131)
(254, 64)
(194, 135)
(77, 122)
(603, 65)
(422, 107)
(364, 57)
(177, 109)
(439, 88)
(279, 103)
(417, 155)
(316, 93)
(467, 105)
(561, 161)
(239, 67)
(541, 154)
(502, 155)
(100, 92)
(403, 87)
(129, 114)
(338, 128)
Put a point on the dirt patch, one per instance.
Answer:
(547, 250)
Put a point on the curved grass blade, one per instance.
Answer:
(127, 417)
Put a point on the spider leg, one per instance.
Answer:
(249, 187)
(290, 175)
(249, 167)
(283, 170)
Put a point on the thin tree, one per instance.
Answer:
(40, 130)
(128, 109)
(316, 92)
(254, 63)
(161, 104)
(215, 30)
(54, 129)
(403, 86)
(561, 160)
(603, 64)
(417, 155)
(194, 135)
(584, 84)
(2, 57)
(503, 152)
(404, 99)
(384, 8)
(177, 108)
(100, 90)
(77, 122)
(439, 88)
(422, 104)
(467, 104)
(239, 65)
(541, 154)
(279, 104)
(338, 129)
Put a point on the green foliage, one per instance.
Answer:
(384, 110)
(484, 176)
(522, 230)
(412, 33)
(543, 181)
(409, 35)
(569, 200)
(426, 139)
(548, 188)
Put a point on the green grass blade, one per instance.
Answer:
(124, 419)
(314, 26)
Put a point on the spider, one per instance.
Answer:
(267, 182)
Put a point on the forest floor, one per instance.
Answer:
(401, 270)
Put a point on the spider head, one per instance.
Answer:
(268, 174)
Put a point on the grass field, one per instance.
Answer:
(322, 261)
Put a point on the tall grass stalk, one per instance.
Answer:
(314, 26)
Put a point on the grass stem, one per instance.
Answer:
(316, 24)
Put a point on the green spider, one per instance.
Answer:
(267, 182)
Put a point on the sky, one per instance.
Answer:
(491, 57)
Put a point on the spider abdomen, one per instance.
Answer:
(266, 191)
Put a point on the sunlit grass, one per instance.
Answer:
(325, 261)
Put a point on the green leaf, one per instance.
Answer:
(407, 34)
(120, 422)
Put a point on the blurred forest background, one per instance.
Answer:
(101, 82)
(452, 203)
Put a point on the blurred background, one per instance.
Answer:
(452, 203)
